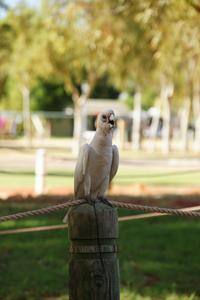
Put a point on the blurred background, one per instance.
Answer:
(61, 63)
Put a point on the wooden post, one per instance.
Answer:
(26, 114)
(93, 265)
(136, 128)
(40, 171)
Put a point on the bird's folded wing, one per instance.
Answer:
(115, 162)
(81, 166)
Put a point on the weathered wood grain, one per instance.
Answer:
(93, 265)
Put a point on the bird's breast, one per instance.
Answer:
(100, 162)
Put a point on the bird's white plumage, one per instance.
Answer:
(81, 167)
(97, 162)
(115, 162)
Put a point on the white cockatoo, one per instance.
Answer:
(97, 162)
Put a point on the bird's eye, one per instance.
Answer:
(104, 117)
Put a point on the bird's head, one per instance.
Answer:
(106, 121)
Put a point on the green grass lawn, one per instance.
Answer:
(158, 177)
(24, 178)
(61, 149)
(159, 258)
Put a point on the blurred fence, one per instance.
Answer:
(60, 124)
(43, 124)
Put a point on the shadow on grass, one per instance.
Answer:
(159, 259)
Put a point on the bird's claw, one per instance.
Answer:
(105, 201)
(101, 199)
(89, 200)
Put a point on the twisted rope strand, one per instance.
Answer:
(119, 204)
(155, 209)
(41, 211)
(58, 227)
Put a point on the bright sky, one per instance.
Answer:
(12, 3)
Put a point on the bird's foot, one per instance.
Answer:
(90, 200)
(105, 201)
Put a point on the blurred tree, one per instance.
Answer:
(195, 4)
(179, 45)
(78, 48)
(50, 96)
(103, 89)
(7, 35)
(6, 46)
(3, 5)
(158, 42)
(25, 62)
(132, 57)
(150, 47)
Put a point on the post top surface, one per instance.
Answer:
(84, 220)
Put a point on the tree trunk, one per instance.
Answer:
(120, 134)
(80, 122)
(184, 121)
(197, 135)
(153, 128)
(136, 127)
(196, 114)
(80, 113)
(166, 127)
(26, 113)
(166, 94)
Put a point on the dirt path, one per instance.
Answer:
(130, 190)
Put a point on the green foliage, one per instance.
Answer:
(148, 98)
(137, 45)
(13, 101)
(55, 179)
(26, 60)
(6, 42)
(50, 96)
(129, 101)
(104, 90)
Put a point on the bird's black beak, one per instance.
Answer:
(111, 121)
